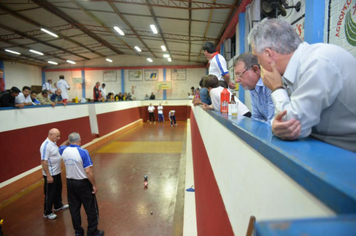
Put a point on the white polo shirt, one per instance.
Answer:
(215, 100)
(49, 152)
(151, 109)
(22, 99)
(76, 160)
(160, 109)
(47, 86)
(172, 113)
(64, 86)
(218, 67)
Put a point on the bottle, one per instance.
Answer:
(233, 106)
(76, 99)
(224, 101)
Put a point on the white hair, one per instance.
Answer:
(73, 138)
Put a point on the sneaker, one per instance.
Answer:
(97, 233)
(63, 207)
(51, 216)
(175, 124)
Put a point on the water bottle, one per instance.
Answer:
(224, 101)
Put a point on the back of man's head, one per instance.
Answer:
(209, 47)
(15, 89)
(211, 81)
(74, 138)
(276, 34)
(248, 59)
(61, 77)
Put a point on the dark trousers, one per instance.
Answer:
(53, 194)
(79, 192)
(173, 119)
(152, 116)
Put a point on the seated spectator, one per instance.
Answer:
(212, 83)
(129, 97)
(110, 96)
(204, 93)
(124, 97)
(24, 97)
(192, 90)
(57, 97)
(7, 98)
(34, 99)
(43, 97)
(247, 71)
(48, 86)
(152, 97)
(119, 97)
(2, 82)
(147, 97)
(190, 96)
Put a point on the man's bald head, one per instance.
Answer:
(54, 135)
(58, 92)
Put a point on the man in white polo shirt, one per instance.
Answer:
(64, 86)
(51, 170)
(81, 186)
(24, 97)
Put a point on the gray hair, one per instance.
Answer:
(73, 138)
(275, 34)
(248, 58)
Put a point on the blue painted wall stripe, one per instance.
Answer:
(242, 49)
(164, 80)
(122, 81)
(314, 21)
(43, 77)
(83, 84)
(3, 68)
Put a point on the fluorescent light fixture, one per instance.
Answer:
(149, 59)
(169, 59)
(164, 48)
(109, 60)
(138, 49)
(71, 62)
(153, 28)
(49, 32)
(119, 30)
(13, 52)
(52, 62)
(36, 52)
(166, 55)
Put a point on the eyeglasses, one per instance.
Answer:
(239, 75)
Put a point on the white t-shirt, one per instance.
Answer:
(218, 67)
(76, 160)
(49, 152)
(64, 86)
(103, 92)
(22, 99)
(47, 86)
(215, 100)
(160, 109)
(151, 109)
(172, 113)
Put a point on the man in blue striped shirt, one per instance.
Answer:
(51, 170)
(81, 186)
(248, 74)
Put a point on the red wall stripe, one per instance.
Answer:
(20, 149)
(125, 68)
(212, 218)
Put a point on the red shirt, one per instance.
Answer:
(2, 85)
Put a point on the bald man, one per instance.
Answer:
(57, 97)
(51, 170)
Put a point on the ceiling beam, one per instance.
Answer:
(32, 22)
(53, 9)
(22, 59)
(129, 25)
(237, 3)
(190, 26)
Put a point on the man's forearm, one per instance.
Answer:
(45, 168)
(90, 176)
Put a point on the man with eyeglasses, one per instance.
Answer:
(313, 86)
(248, 74)
(217, 65)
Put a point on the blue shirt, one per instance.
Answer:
(204, 96)
(56, 98)
(262, 104)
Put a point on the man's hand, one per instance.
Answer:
(286, 130)
(94, 189)
(49, 179)
(271, 79)
(196, 102)
(20, 105)
(205, 106)
(53, 104)
(232, 85)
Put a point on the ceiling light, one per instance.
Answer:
(119, 30)
(149, 59)
(164, 48)
(169, 59)
(10, 51)
(49, 32)
(109, 60)
(37, 52)
(138, 49)
(52, 62)
(166, 55)
(71, 62)
(153, 28)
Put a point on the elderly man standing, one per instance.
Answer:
(312, 86)
(248, 74)
(48, 86)
(51, 170)
(64, 87)
(81, 186)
